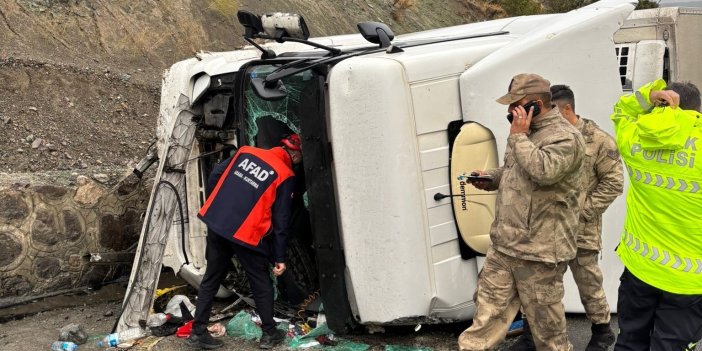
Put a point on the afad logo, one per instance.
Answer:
(255, 170)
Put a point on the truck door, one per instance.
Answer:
(472, 147)
(641, 62)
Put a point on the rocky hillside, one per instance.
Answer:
(80, 78)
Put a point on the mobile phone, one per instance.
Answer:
(486, 178)
(527, 106)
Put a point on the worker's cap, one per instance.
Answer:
(292, 142)
(525, 84)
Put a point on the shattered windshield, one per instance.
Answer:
(267, 121)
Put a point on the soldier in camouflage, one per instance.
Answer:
(536, 221)
(604, 181)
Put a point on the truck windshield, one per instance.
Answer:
(263, 124)
(267, 121)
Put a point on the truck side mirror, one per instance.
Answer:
(251, 22)
(376, 33)
(274, 90)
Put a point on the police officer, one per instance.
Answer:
(247, 214)
(536, 220)
(658, 129)
(604, 181)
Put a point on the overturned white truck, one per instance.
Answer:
(389, 126)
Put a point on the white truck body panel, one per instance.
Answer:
(378, 195)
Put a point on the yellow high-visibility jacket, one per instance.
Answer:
(661, 243)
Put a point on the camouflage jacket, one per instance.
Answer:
(539, 186)
(604, 181)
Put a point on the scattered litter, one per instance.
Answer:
(323, 336)
(147, 344)
(241, 326)
(184, 331)
(406, 348)
(173, 306)
(116, 339)
(73, 333)
(160, 292)
(516, 328)
(63, 346)
(217, 330)
(327, 340)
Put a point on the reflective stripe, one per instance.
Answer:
(679, 184)
(685, 264)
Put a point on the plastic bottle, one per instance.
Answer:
(63, 346)
(115, 339)
(157, 319)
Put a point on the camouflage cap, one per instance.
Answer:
(523, 85)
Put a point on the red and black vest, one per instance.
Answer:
(253, 190)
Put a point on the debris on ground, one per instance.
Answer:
(73, 333)
(242, 326)
(406, 348)
(173, 306)
(217, 330)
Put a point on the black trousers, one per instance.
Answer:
(652, 319)
(257, 266)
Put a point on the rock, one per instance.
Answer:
(44, 228)
(20, 150)
(47, 267)
(64, 143)
(29, 138)
(10, 247)
(51, 147)
(6, 119)
(108, 314)
(14, 207)
(101, 177)
(89, 192)
(32, 108)
(74, 333)
(51, 191)
(67, 156)
(37, 143)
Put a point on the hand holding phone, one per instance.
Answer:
(480, 180)
(485, 177)
(527, 106)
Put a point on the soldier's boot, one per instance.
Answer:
(602, 337)
(524, 342)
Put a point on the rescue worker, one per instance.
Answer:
(603, 182)
(247, 214)
(536, 220)
(658, 130)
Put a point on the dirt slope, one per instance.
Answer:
(79, 79)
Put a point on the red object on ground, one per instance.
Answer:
(184, 331)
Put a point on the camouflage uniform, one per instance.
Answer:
(604, 181)
(533, 235)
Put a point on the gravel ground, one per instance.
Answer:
(97, 311)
